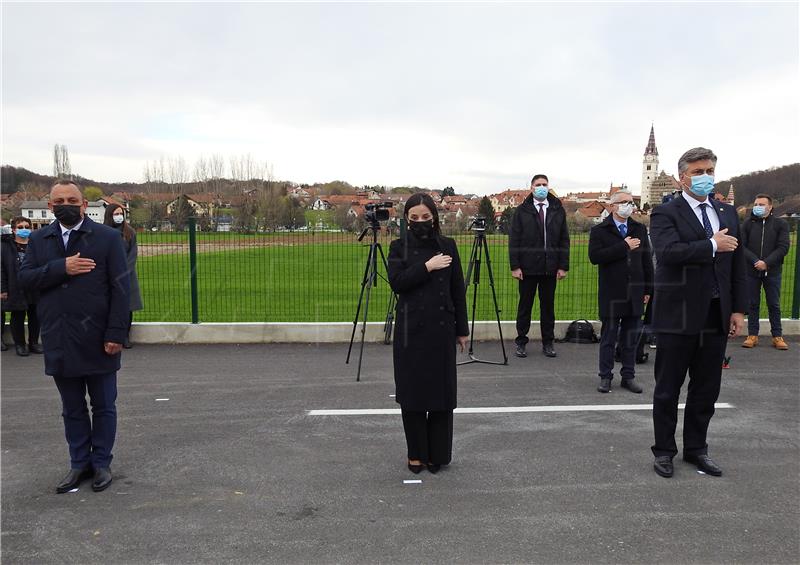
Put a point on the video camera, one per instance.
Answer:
(378, 212)
(478, 224)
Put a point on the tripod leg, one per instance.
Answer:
(494, 298)
(389, 323)
(474, 263)
(373, 274)
(360, 299)
(471, 263)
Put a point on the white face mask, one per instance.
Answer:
(625, 210)
(118, 219)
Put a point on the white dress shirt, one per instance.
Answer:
(544, 212)
(710, 212)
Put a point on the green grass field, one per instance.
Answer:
(317, 278)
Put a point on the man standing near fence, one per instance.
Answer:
(538, 249)
(80, 270)
(700, 300)
(619, 245)
(765, 239)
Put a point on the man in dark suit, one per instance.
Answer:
(619, 245)
(700, 300)
(80, 269)
(538, 251)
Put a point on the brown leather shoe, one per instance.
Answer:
(751, 341)
(778, 343)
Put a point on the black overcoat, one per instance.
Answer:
(624, 275)
(431, 312)
(10, 267)
(527, 250)
(78, 314)
(686, 268)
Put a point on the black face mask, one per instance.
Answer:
(422, 230)
(68, 215)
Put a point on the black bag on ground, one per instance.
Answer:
(580, 331)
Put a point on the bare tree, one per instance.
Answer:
(61, 166)
(177, 174)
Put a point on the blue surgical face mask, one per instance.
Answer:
(23, 233)
(760, 211)
(702, 185)
(540, 192)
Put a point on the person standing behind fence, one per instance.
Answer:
(619, 245)
(425, 272)
(766, 242)
(700, 300)
(538, 250)
(115, 218)
(18, 300)
(79, 268)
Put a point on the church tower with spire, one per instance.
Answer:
(649, 168)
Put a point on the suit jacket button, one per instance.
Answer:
(441, 279)
(441, 323)
(65, 285)
(441, 307)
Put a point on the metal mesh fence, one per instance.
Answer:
(316, 277)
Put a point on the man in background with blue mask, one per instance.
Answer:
(538, 251)
(765, 239)
(700, 300)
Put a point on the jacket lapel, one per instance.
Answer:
(77, 236)
(685, 211)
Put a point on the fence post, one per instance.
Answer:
(193, 267)
(796, 295)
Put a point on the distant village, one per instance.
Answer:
(282, 206)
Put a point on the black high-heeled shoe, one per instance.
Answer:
(434, 467)
(416, 469)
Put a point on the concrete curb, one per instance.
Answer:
(332, 332)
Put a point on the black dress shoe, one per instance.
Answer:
(548, 350)
(73, 479)
(102, 478)
(126, 344)
(605, 385)
(3, 347)
(416, 469)
(22, 350)
(663, 466)
(434, 467)
(36, 348)
(520, 352)
(631, 385)
(704, 463)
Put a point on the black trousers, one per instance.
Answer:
(18, 326)
(628, 328)
(701, 355)
(546, 284)
(429, 436)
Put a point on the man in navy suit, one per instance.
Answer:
(700, 301)
(80, 270)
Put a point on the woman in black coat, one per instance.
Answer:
(115, 218)
(17, 299)
(425, 272)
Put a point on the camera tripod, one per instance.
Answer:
(480, 249)
(370, 279)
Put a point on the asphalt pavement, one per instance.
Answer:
(219, 461)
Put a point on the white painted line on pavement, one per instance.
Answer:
(506, 409)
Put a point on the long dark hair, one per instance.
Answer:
(127, 230)
(423, 198)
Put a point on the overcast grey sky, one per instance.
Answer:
(477, 96)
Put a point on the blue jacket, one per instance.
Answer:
(78, 314)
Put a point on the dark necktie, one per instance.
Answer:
(623, 230)
(541, 218)
(709, 235)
